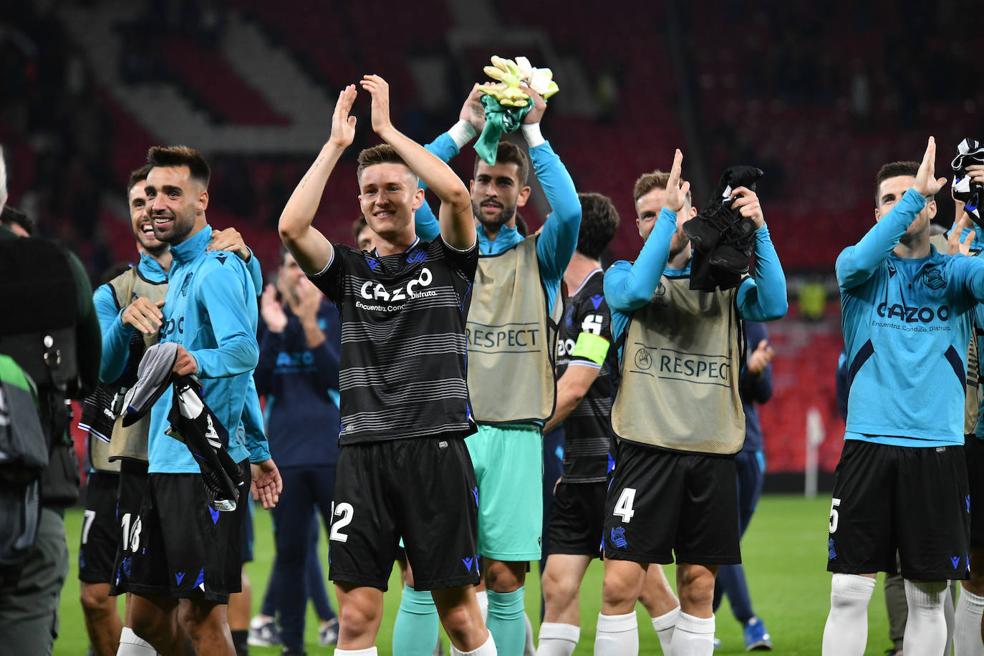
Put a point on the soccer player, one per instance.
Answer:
(125, 306)
(587, 376)
(755, 385)
(511, 326)
(677, 414)
(189, 555)
(298, 374)
(403, 469)
(901, 483)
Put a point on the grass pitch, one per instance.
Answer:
(785, 559)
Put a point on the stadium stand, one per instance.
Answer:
(819, 105)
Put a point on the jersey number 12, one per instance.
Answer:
(344, 512)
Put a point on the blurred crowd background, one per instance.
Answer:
(818, 97)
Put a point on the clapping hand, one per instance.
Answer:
(927, 183)
(342, 124)
(378, 89)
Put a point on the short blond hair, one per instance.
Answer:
(648, 181)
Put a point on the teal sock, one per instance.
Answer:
(415, 632)
(507, 623)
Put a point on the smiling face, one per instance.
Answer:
(890, 192)
(496, 193)
(143, 227)
(177, 202)
(389, 196)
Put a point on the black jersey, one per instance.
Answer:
(585, 338)
(403, 367)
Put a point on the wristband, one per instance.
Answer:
(531, 132)
(461, 133)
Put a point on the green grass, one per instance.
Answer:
(785, 560)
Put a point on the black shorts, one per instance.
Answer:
(133, 486)
(100, 528)
(577, 519)
(662, 503)
(247, 555)
(913, 500)
(974, 448)
(420, 489)
(179, 546)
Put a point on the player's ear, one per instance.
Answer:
(877, 214)
(202, 203)
(524, 195)
(693, 211)
(418, 199)
(932, 209)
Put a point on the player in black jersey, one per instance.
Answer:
(587, 377)
(403, 469)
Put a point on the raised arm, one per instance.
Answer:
(629, 287)
(856, 264)
(558, 238)
(445, 147)
(762, 297)
(457, 223)
(310, 248)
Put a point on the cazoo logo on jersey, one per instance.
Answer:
(376, 291)
(912, 314)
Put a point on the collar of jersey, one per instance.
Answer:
(917, 261)
(151, 269)
(585, 281)
(506, 239)
(375, 253)
(192, 247)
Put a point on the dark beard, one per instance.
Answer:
(157, 251)
(493, 225)
(179, 231)
(906, 239)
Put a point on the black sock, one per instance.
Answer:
(239, 642)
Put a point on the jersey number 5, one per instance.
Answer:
(833, 514)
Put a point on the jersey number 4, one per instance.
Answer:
(623, 507)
